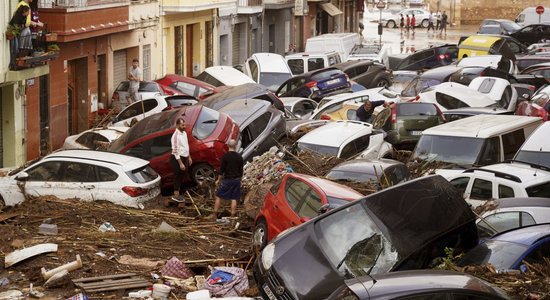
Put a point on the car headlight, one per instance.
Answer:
(267, 256)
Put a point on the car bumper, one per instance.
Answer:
(268, 283)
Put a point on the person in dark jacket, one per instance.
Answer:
(229, 179)
(364, 113)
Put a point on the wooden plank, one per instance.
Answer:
(104, 283)
(124, 287)
(6, 216)
(20, 255)
(103, 277)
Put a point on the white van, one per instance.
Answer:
(339, 42)
(475, 141)
(269, 69)
(302, 62)
(536, 149)
(529, 16)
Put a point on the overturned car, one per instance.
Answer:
(404, 227)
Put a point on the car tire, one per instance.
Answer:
(382, 82)
(391, 24)
(424, 23)
(259, 238)
(203, 173)
(2, 204)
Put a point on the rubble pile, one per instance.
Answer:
(264, 169)
(312, 163)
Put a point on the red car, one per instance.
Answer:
(188, 86)
(207, 130)
(295, 199)
(538, 106)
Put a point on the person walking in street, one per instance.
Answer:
(443, 23)
(180, 158)
(437, 20)
(401, 22)
(134, 76)
(364, 112)
(431, 22)
(413, 23)
(229, 179)
(407, 23)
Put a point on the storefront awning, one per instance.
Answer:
(330, 9)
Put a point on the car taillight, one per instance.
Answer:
(325, 117)
(134, 191)
(311, 84)
(416, 99)
(115, 96)
(440, 114)
(394, 114)
(531, 87)
(442, 56)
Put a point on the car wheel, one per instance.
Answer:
(259, 239)
(2, 203)
(391, 24)
(424, 23)
(203, 174)
(382, 82)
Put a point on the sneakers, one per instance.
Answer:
(177, 199)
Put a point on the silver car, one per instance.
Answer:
(421, 16)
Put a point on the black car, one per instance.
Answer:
(533, 33)
(403, 227)
(261, 126)
(428, 79)
(381, 173)
(367, 73)
(505, 26)
(418, 285)
(429, 58)
(247, 90)
(316, 84)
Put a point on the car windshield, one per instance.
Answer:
(510, 26)
(418, 85)
(462, 151)
(273, 80)
(318, 148)
(143, 174)
(336, 202)
(353, 243)
(352, 176)
(324, 75)
(541, 158)
(416, 109)
(502, 255)
(206, 123)
(145, 86)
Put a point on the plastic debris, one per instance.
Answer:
(106, 227)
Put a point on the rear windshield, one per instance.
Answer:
(416, 109)
(273, 80)
(319, 148)
(540, 190)
(145, 86)
(206, 123)
(501, 254)
(419, 85)
(143, 174)
(534, 157)
(326, 75)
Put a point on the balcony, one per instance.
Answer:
(31, 51)
(279, 4)
(249, 6)
(177, 6)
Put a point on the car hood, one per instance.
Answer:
(411, 215)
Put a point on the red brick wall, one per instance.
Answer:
(33, 120)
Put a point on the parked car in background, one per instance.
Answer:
(403, 227)
(465, 112)
(300, 63)
(533, 33)
(506, 27)
(528, 62)
(268, 69)
(261, 125)
(536, 149)
(491, 29)
(482, 44)
(380, 173)
(244, 91)
(187, 85)
(141, 109)
(346, 139)
(367, 73)
(429, 58)
(529, 16)
(537, 106)
(223, 75)
(421, 16)
(418, 285)
(293, 200)
(147, 89)
(505, 180)
(373, 51)
(95, 138)
(511, 213)
(316, 84)
(207, 132)
(300, 107)
(508, 250)
(83, 174)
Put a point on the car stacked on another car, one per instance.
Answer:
(367, 73)
(379, 173)
(187, 85)
(95, 138)
(316, 84)
(146, 90)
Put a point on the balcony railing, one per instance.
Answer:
(31, 50)
(279, 1)
(244, 3)
(76, 3)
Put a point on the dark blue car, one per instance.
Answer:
(316, 84)
(508, 250)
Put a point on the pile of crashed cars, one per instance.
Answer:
(477, 118)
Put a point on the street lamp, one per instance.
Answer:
(380, 5)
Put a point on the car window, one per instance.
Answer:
(291, 85)
(487, 85)
(540, 190)
(482, 189)
(490, 153)
(511, 142)
(351, 114)
(538, 255)
(78, 172)
(151, 147)
(90, 139)
(204, 76)
(315, 64)
(206, 123)
(354, 147)
(295, 191)
(426, 296)
(186, 88)
(311, 205)
(416, 109)
(253, 66)
(449, 102)
(326, 74)
(508, 220)
(260, 124)
(505, 191)
(123, 86)
(143, 174)
(146, 86)
(296, 66)
(515, 47)
(106, 174)
(351, 72)
(461, 183)
(137, 108)
(397, 174)
(46, 171)
(275, 187)
(465, 296)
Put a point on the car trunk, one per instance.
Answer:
(414, 125)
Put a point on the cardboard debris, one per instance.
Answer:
(20, 255)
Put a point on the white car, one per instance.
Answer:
(268, 69)
(374, 94)
(372, 51)
(536, 149)
(498, 89)
(493, 61)
(421, 16)
(346, 139)
(451, 95)
(141, 109)
(503, 180)
(224, 75)
(94, 138)
(147, 89)
(300, 107)
(84, 174)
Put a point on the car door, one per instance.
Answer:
(78, 180)
(108, 188)
(259, 137)
(138, 110)
(462, 184)
(43, 178)
(286, 209)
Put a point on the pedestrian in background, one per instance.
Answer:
(444, 23)
(229, 179)
(413, 23)
(180, 158)
(431, 22)
(407, 23)
(134, 76)
(401, 23)
(437, 20)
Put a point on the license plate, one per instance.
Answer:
(269, 293)
(333, 81)
(416, 132)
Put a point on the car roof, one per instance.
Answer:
(176, 77)
(339, 131)
(366, 165)
(395, 283)
(466, 94)
(242, 110)
(522, 202)
(128, 163)
(439, 72)
(538, 140)
(271, 62)
(330, 188)
(524, 172)
(481, 126)
(350, 63)
(480, 61)
(474, 111)
(228, 75)
(524, 235)
(310, 54)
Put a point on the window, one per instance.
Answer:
(315, 64)
(138, 108)
(486, 86)
(296, 66)
(449, 102)
(430, 296)
(47, 171)
(508, 220)
(461, 183)
(106, 174)
(148, 86)
(90, 139)
(259, 125)
(143, 174)
(295, 190)
(541, 190)
(511, 142)
(505, 191)
(275, 187)
(464, 296)
(78, 172)
(151, 147)
(482, 189)
(490, 153)
(539, 254)
(186, 88)
(253, 66)
(311, 205)
(515, 47)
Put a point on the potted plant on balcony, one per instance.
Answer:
(12, 32)
(53, 48)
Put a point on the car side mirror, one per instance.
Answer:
(323, 209)
(23, 176)
(114, 119)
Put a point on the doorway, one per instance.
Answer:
(44, 98)
(189, 50)
(77, 95)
